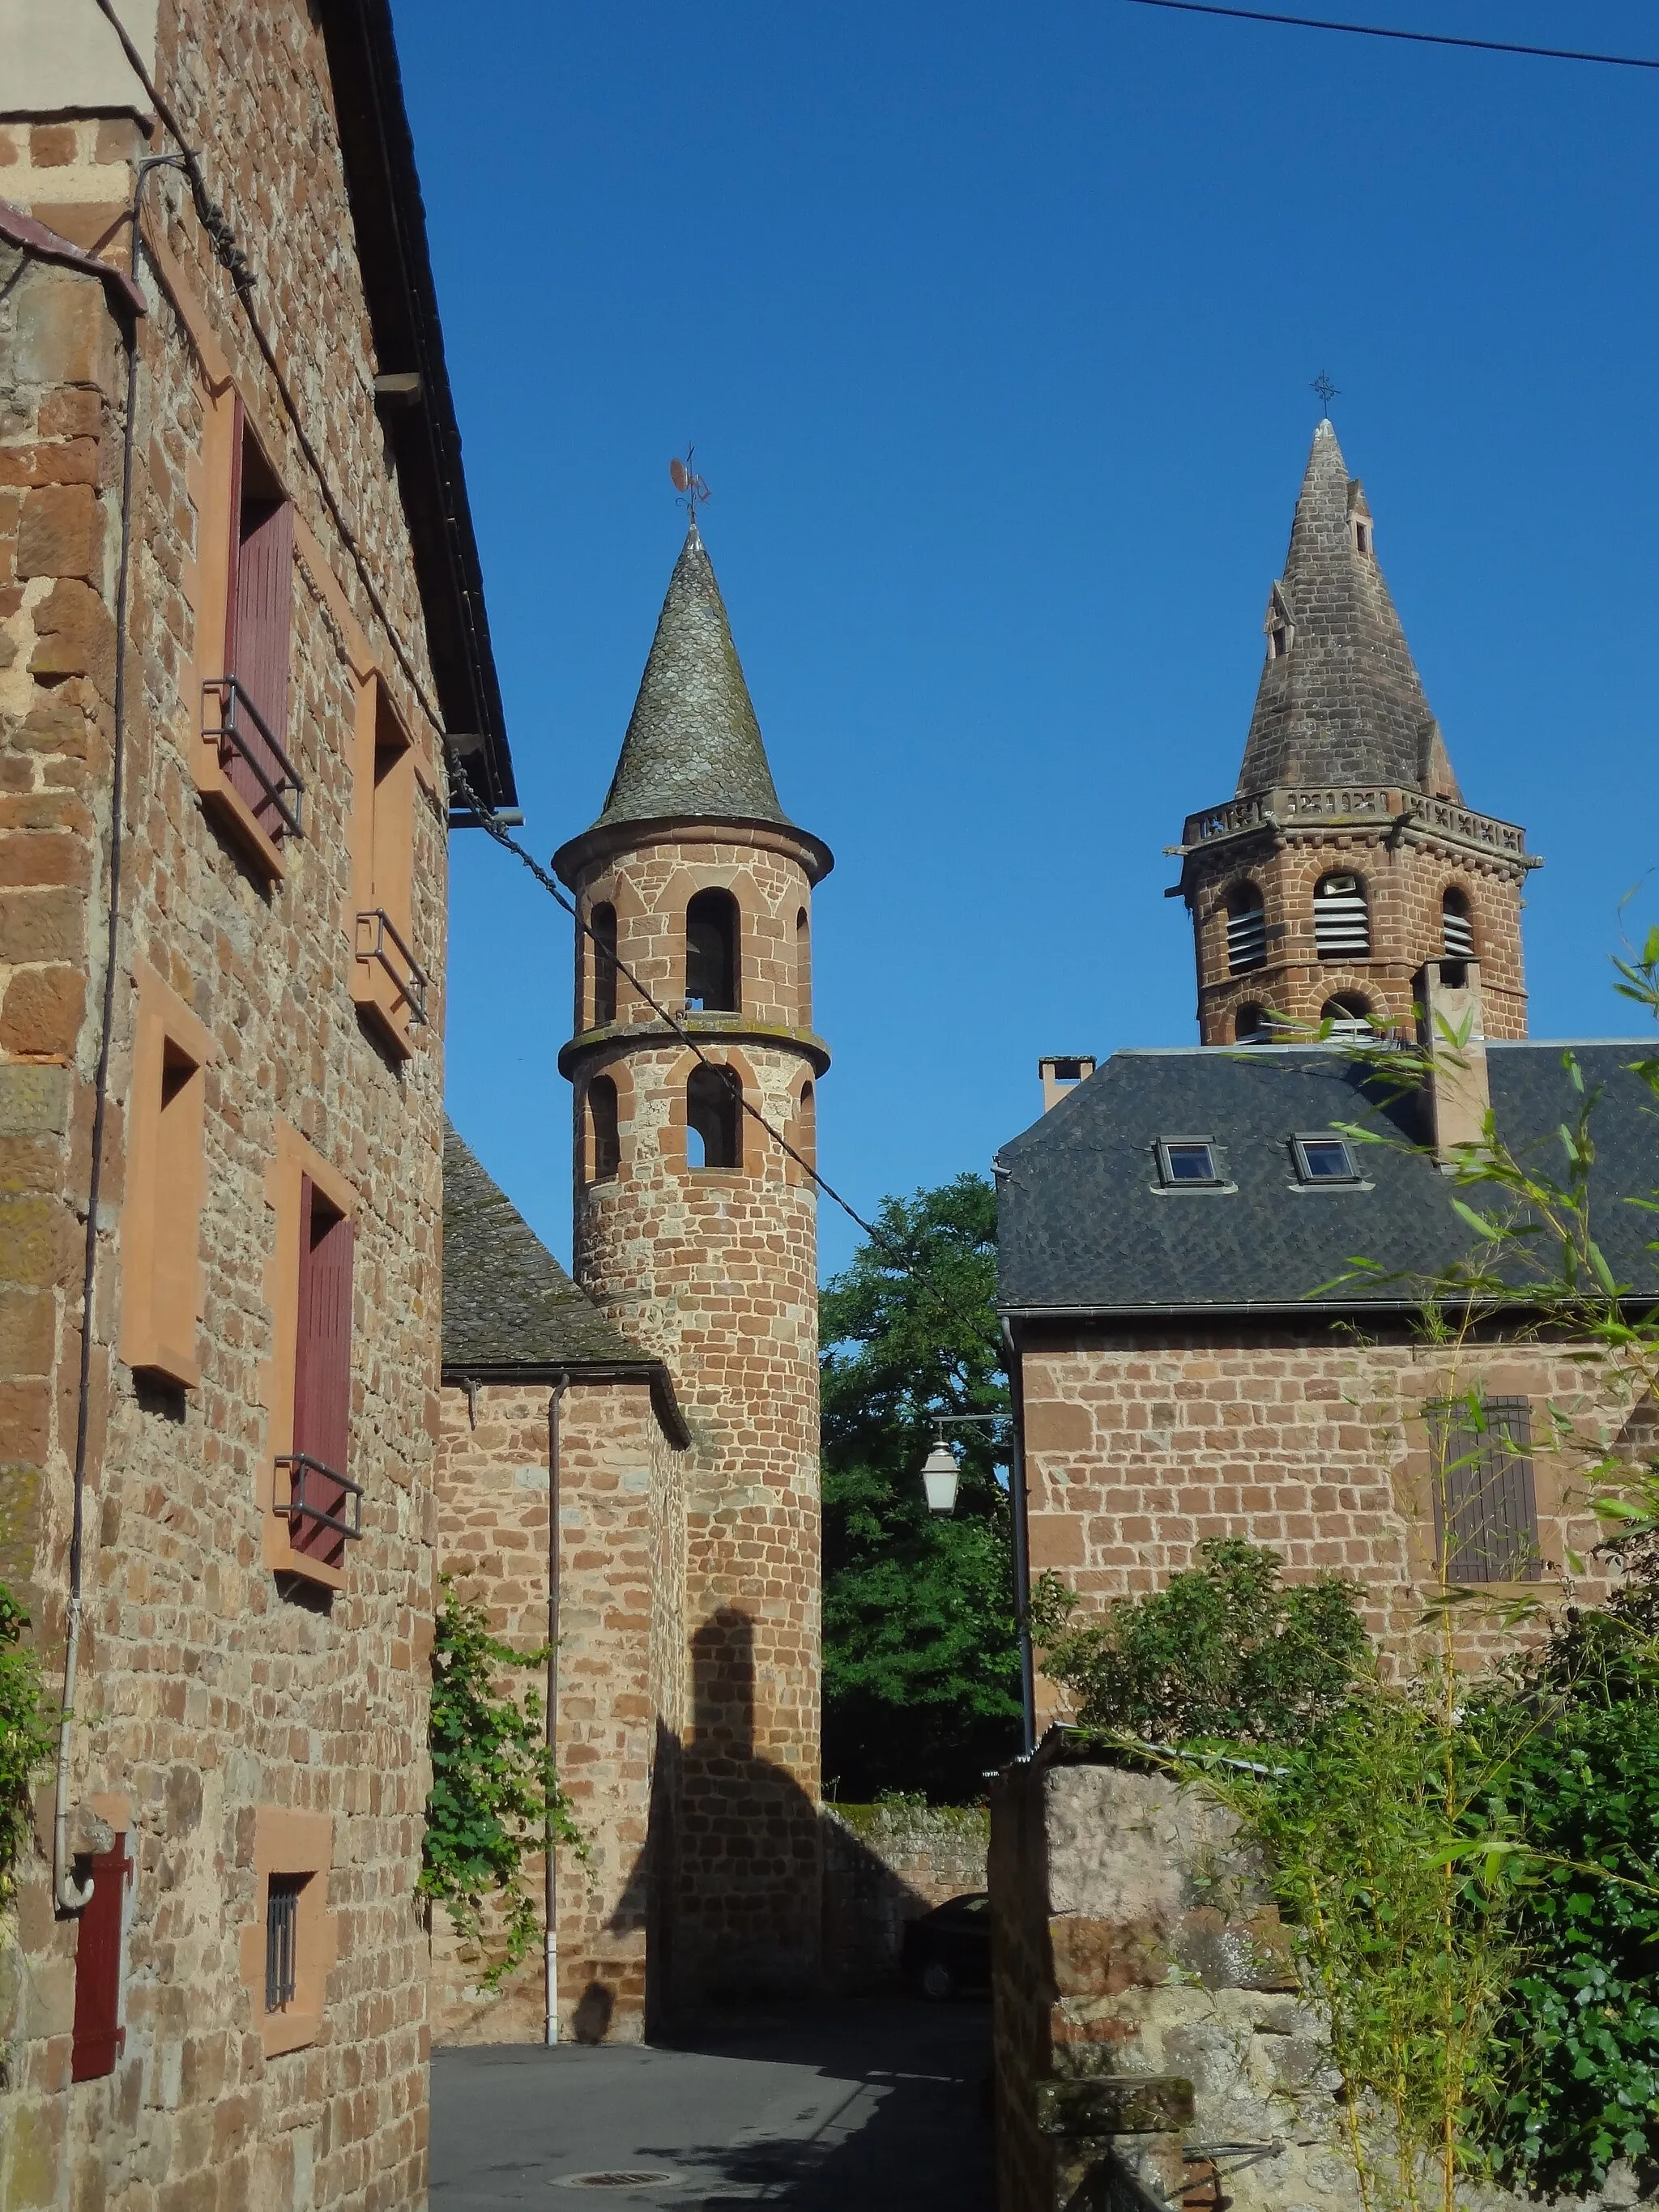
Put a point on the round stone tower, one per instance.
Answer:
(1346, 859)
(697, 1233)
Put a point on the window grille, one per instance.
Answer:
(1247, 929)
(1457, 930)
(1342, 925)
(1486, 1510)
(282, 1939)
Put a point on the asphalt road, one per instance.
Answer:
(854, 2106)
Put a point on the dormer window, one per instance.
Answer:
(1191, 1164)
(1362, 535)
(1324, 1161)
(1281, 630)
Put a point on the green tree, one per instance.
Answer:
(920, 1661)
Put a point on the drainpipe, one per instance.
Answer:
(70, 1894)
(552, 1901)
(1022, 1544)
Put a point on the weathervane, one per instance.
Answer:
(1326, 389)
(691, 488)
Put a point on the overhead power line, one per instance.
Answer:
(1410, 38)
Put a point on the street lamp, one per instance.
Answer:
(939, 1476)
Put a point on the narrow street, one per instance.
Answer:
(841, 2107)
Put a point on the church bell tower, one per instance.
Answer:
(1347, 857)
(697, 1233)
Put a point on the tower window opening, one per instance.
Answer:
(603, 921)
(1253, 1025)
(1349, 1016)
(806, 1126)
(603, 1130)
(714, 1119)
(1278, 640)
(1342, 924)
(1247, 928)
(1362, 536)
(803, 967)
(1457, 926)
(711, 953)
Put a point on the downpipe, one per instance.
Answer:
(550, 1900)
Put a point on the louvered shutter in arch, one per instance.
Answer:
(1342, 927)
(1458, 929)
(1247, 929)
(1485, 1505)
(263, 607)
(322, 1374)
(98, 2036)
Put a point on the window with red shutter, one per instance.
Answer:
(324, 1507)
(99, 2037)
(252, 732)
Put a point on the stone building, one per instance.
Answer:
(686, 1581)
(1188, 1361)
(240, 609)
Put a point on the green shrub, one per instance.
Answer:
(1228, 1650)
(495, 1797)
(25, 1739)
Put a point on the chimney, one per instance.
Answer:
(1061, 1075)
(1453, 1034)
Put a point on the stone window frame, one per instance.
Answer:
(162, 1296)
(292, 1161)
(289, 1843)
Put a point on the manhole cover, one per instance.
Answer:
(620, 2176)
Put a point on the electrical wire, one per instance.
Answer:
(1410, 38)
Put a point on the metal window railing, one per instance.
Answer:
(301, 1466)
(282, 1939)
(411, 987)
(287, 792)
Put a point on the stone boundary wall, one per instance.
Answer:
(1146, 2010)
(883, 1866)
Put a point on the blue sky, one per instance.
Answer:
(995, 328)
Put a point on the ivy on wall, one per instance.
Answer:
(496, 1802)
(25, 1739)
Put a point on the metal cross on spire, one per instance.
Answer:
(1326, 389)
(691, 488)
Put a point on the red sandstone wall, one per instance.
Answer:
(208, 1690)
(1139, 1448)
(620, 1673)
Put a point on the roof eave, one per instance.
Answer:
(531, 1374)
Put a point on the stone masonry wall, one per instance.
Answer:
(1405, 881)
(1139, 1447)
(716, 1272)
(620, 1667)
(214, 1695)
(884, 1865)
(1152, 2044)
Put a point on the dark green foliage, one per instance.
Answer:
(1581, 2034)
(1226, 1651)
(920, 1670)
(495, 1797)
(25, 1738)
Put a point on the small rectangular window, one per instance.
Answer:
(1324, 1160)
(161, 1222)
(1486, 1510)
(1190, 1163)
(282, 1939)
(99, 2037)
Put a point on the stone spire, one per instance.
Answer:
(692, 747)
(1341, 700)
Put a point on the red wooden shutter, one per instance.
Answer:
(98, 2035)
(1486, 1508)
(262, 609)
(322, 1373)
(238, 433)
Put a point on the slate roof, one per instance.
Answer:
(1345, 704)
(693, 745)
(1082, 1228)
(508, 1303)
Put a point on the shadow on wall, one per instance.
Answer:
(730, 1887)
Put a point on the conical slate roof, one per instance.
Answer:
(693, 745)
(1344, 704)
